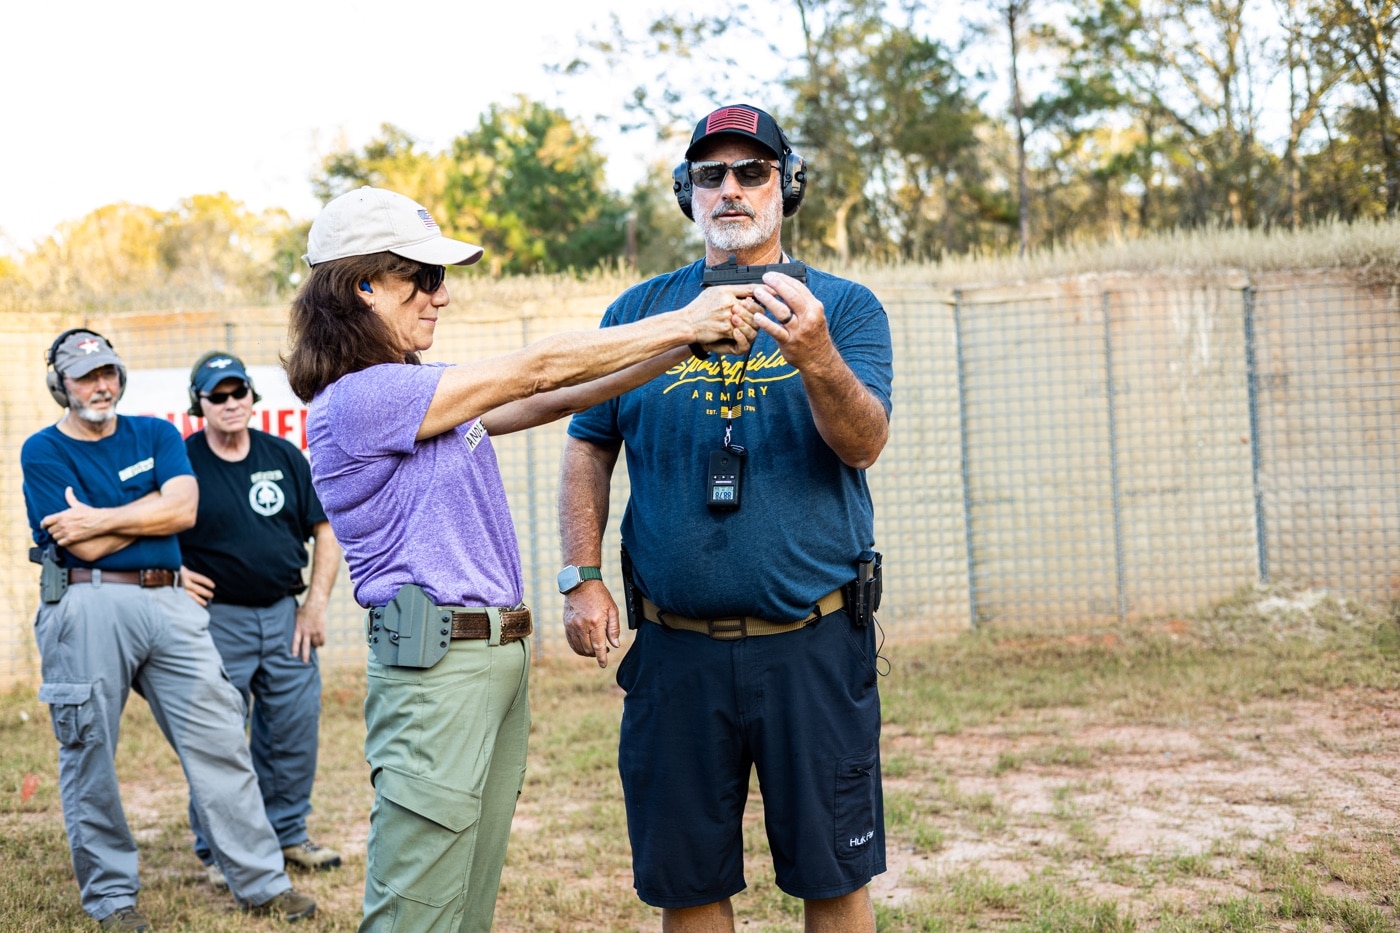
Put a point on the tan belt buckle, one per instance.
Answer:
(728, 629)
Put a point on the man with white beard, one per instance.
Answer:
(106, 497)
(748, 562)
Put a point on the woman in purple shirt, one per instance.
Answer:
(401, 458)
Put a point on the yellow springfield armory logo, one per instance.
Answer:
(716, 381)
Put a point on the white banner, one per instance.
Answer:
(165, 393)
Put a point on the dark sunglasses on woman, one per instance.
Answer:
(429, 278)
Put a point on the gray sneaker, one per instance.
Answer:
(311, 857)
(216, 877)
(125, 918)
(289, 906)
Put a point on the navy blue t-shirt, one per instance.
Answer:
(805, 515)
(139, 457)
(255, 516)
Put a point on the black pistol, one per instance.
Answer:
(731, 273)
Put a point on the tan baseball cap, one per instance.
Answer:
(373, 220)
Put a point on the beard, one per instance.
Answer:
(86, 413)
(736, 236)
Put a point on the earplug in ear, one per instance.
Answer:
(364, 287)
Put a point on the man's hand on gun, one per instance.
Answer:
(725, 333)
(796, 319)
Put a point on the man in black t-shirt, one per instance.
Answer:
(243, 559)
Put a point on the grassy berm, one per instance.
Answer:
(1231, 771)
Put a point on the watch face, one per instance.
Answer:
(570, 577)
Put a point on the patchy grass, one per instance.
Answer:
(1231, 771)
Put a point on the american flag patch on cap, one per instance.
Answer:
(427, 219)
(732, 118)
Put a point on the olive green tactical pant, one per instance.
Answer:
(446, 750)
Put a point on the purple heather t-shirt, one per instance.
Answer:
(430, 512)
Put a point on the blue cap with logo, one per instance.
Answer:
(214, 368)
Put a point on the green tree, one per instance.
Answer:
(659, 236)
(1188, 77)
(531, 184)
(210, 250)
(115, 248)
(391, 159)
(213, 241)
(1312, 71)
(1341, 179)
(1363, 34)
(885, 120)
(527, 183)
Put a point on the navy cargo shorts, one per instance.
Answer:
(802, 708)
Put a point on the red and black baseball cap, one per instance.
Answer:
(743, 121)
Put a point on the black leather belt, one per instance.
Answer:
(146, 578)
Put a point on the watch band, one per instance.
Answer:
(571, 577)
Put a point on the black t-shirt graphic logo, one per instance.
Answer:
(266, 497)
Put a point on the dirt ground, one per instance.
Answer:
(1158, 819)
(1290, 772)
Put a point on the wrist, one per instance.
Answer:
(574, 575)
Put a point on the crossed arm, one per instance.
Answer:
(90, 533)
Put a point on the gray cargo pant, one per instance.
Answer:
(285, 695)
(98, 643)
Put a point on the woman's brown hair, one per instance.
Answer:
(333, 330)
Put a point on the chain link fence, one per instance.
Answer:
(1064, 456)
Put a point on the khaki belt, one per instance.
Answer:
(146, 578)
(476, 623)
(734, 627)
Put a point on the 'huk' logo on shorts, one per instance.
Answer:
(857, 841)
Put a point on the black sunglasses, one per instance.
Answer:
(429, 278)
(218, 398)
(750, 173)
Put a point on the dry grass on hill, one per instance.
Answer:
(1368, 250)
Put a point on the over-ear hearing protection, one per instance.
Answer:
(195, 408)
(794, 182)
(53, 379)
